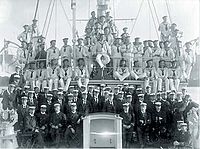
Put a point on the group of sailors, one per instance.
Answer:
(55, 118)
(102, 47)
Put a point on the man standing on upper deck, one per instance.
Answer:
(189, 60)
(66, 51)
(25, 35)
(52, 52)
(164, 28)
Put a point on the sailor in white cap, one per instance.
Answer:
(103, 51)
(182, 138)
(75, 94)
(109, 105)
(116, 53)
(53, 74)
(65, 74)
(41, 75)
(66, 51)
(143, 121)
(80, 49)
(122, 71)
(189, 59)
(30, 75)
(82, 73)
(97, 102)
(57, 124)
(128, 124)
(164, 29)
(52, 52)
(25, 36)
(127, 50)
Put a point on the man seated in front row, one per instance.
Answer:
(30, 126)
(122, 71)
(81, 73)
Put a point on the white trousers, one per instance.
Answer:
(41, 84)
(65, 84)
(121, 77)
(160, 84)
(174, 84)
(136, 76)
(147, 83)
(31, 83)
(53, 82)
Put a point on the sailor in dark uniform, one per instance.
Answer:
(73, 133)
(84, 106)
(143, 120)
(182, 137)
(109, 104)
(147, 93)
(57, 125)
(97, 104)
(30, 126)
(43, 121)
(119, 102)
(159, 121)
(128, 124)
(49, 104)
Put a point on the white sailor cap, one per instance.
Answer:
(157, 103)
(102, 85)
(71, 86)
(43, 106)
(143, 104)
(60, 88)
(90, 86)
(152, 94)
(183, 124)
(26, 87)
(129, 96)
(75, 91)
(96, 90)
(46, 88)
(84, 93)
(126, 104)
(31, 107)
(73, 104)
(24, 97)
(116, 88)
(107, 88)
(49, 95)
(179, 122)
(70, 95)
(31, 92)
(139, 89)
(179, 93)
(126, 84)
(131, 87)
(56, 104)
(140, 95)
(120, 92)
(55, 89)
(60, 93)
(17, 76)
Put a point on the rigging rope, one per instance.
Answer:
(89, 9)
(155, 12)
(50, 19)
(36, 9)
(170, 19)
(114, 10)
(68, 21)
(153, 19)
(56, 7)
(137, 16)
(46, 17)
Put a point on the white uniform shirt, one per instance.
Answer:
(52, 53)
(66, 51)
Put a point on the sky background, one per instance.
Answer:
(15, 13)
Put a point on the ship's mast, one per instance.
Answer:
(73, 7)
